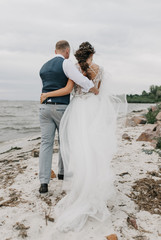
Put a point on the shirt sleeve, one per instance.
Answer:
(73, 73)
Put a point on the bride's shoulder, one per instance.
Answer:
(96, 68)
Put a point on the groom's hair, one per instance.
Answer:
(62, 45)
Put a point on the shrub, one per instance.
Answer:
(151, 115)
(159, 107)
(158, 145)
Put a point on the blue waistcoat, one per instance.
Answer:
(54, 78)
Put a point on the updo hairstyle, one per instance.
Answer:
(82, 54)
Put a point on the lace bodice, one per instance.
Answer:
(77, 91)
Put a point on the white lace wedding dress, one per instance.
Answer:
(88, 141)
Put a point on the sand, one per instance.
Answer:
(25, 214)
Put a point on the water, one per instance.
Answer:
(19, 119)
(138, 106)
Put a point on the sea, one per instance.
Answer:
(20, 119)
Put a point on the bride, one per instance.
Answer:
(87, 142)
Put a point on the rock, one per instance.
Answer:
(158, 117)
(148, 151)
(51, 219)
(154, 143)
(146, 136)
(151, 127)
(124, 173)
(151, 134)
(126, 137)
(136, 111)
(112, 237)
(139, 120)
(132, 122)
(53, 175)
(35, 153)
(153, 108)
(158, 130)
(132, 222)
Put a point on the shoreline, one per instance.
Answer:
(14, 122)
(27, 214)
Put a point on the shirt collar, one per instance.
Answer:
(59, 55)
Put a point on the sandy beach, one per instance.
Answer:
(25, 214)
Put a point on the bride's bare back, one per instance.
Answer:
(93, 70)
(96, 76)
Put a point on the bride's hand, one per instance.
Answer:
(43, 97)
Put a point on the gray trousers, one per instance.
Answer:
(50, 116)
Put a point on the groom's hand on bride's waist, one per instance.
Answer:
(94, 90)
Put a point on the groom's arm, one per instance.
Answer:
(73, 73)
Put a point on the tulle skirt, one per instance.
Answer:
(88, 142)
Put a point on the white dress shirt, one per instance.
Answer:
(73, 73)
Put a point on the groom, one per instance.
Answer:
(55, 74)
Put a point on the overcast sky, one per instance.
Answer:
(125, 33)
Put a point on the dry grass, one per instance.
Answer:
(147, 195)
